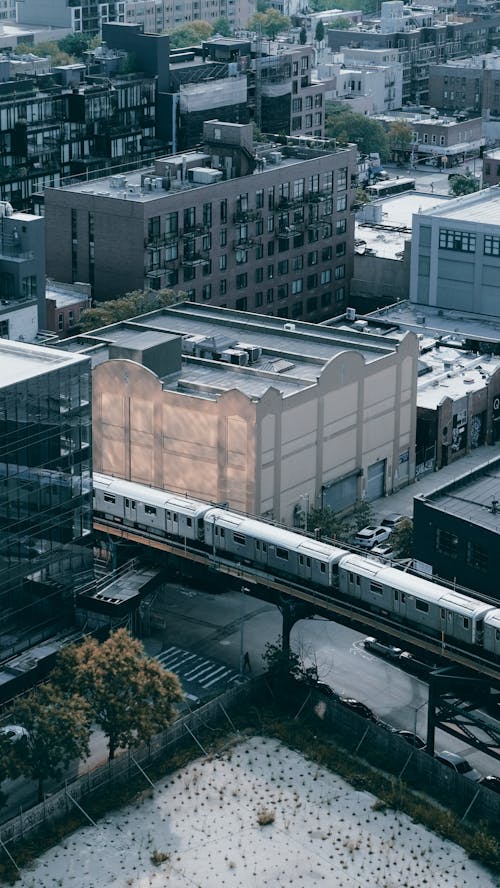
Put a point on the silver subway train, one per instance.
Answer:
(415, 601)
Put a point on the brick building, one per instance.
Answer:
(270, 230)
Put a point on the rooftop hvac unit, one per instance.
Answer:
(147, 183)
(118, 181)
(360, 325)
(275, 157)
(157, 183)
(350, 314)
(235, 356)
(191, 343)
(253, 351)
(134, 189)
(289, 327)
(420, 319)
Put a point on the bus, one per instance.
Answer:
(390, 187)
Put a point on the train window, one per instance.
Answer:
(375, 587)
(174, 516)
(264, 547)
(443, 614)
(239, 538)
(257, 545)
(308, 562)
(351, 578)
(133, 504)
(108, 498)
(127, 502)
(396, 594)
(497, 634)
(322, 568)
(150, 510)
(466, 622)
(189, 522)
(222, 533)
(403, 597)
(421, 606)
(281, 553)
(301, 559)
(169, 514)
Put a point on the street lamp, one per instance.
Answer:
(305, 496)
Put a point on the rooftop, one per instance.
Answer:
(440, 323)
(388, 237)
(447, 372)
(473, 497)
(482, 206)
(283, 355)
(20, 361)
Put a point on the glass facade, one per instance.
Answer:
(45, 489)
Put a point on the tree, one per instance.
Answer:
(134, 303)
(401, 539)
(319, 34)
(399, 136)
(75, 45)
(130, 695)
(302, 36)
(281, 664)
(330, 524)
(463, 184)
(58, 731)
(361, 516)
(343, 22)
(270, 22)
(48, 48)
(223, 27)
(191, 34)
(347, 126)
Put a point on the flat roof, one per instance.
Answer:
(452, 373)
(293, 354)
(439, 323)
(471, 496)
(21, 360)
(481, 206)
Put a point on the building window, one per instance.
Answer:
(297, 309)
(241, 257)
(296, 123)
(270, 272)
(259, 275)
(447, 543)
(340, 249)
(223, 212)
(312, 304)
(60, 322)
(206, 291)
(461, 241)
(327, 253)
(339, 272)
(312, 258)
(259, 251)
(326, 276)
(297, 286)
(207, 214)
(312, 281)
(477, 556)
(297, 105)
(270, 295)
(259, 227)
(241, 304)
(342, 203)
(222, 262)
(298, 263)
(189, 218)
(222, 287)
(283, 291)
(283, 266)
(491, 245)
(340, 294)
(223, 237)
(154, 228)
(171, 223)
(241, 281)
(259, 299)
(171, 252)
(270, 224)
(259, 199)
(341, 226)
(342, 179)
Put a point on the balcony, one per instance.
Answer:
(290, 202)
(195, 259)
(195, 231)
(244, 243)
(160, 240)
(242, 216)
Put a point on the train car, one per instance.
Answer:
(491, 641)
(281, 552)
(413, 600)
(148, 508)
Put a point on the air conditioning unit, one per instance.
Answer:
(289, 327)
(350, 314)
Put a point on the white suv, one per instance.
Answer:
(371, 536)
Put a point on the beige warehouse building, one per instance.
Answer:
(254, 411)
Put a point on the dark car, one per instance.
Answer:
(416, 667)
(357, 707)
(413, 739)
(491, 782)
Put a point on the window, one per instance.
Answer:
(241, 257)
(297, 286)
(149, 510)
(207, 214)
(281, 553)
(171, 252)
(270, 272)
(241, 281)
(342, 179)
(206, 242)
(339, 272)
(270, 200)
(341, 203)
(241, 304)
(171, 223)
(239, 538)
(341, 226)
(340, 249)
(222, 262)
(297, 105)
(60, 323)
(447, 543)
(206, 292)
(223, 211)
(312, 304)
(340, 294)
(377, 588)
(259, 275)
(259, 299)
(312, 258)
(259, 227)
(466, 622)
(259, 251)
(153, 227)
(327, 254)
(477, 556)
(270, 224)
(242, 203)
(491, 245)
(283, 291)
(283, 266)
(296, 123)
(189, 218)
(298, 263)
(326, 276)
(462, 241)
(270, 295)
(223, 237)
(259, 198)
(108, 498)
(222, 287)
(421, 606)
(326, 299)
(297, 309)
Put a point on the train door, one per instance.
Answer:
(304, 570)
(129, 512)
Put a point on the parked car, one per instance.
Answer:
(357, 707)
(459, 764)
(413, 739)
(389, 651)
(491, 782)
(393, 520)
(371, 535)
(13, 732)
(385, 550)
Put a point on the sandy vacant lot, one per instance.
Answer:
(201, 826)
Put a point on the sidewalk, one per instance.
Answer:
(402, 501)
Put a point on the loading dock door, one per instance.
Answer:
(341, 494)
(375, 481)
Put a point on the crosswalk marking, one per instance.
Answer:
(196, 671)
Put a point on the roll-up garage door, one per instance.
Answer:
(375, 481)
(341, 494)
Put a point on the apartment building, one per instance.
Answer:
(22, 274)
(422, 39)
(79, 16)
(256, 227)
(455, 256)
(470, 85)
(156, 16)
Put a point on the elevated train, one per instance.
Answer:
(415, 601)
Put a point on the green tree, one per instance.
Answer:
(49, 48)
(343, 22)
(347, 126)
(281, 664)
(75, 45)
(270, 23)
(58, 731)
(223, 27)
(302, 36)
(361, 516)
(319, 34)
(465, 184)
(191, 34)
(399, 135)
(130, 695)
(329, 523)
(401, 539)
(130, 305)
